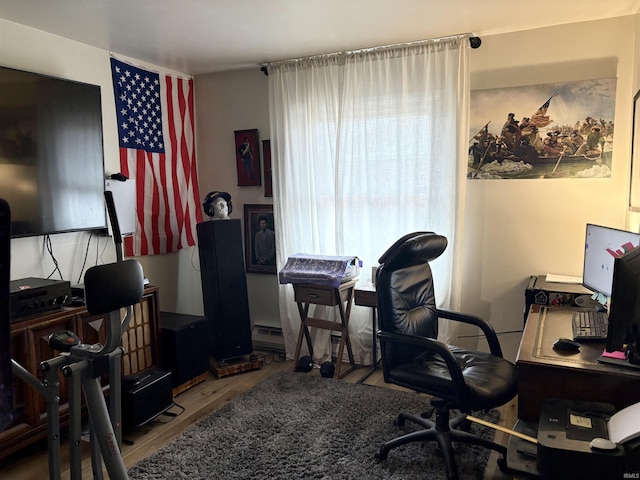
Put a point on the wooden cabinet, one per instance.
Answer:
(29, 347)
(39, 351)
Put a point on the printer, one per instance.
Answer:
(565, 435)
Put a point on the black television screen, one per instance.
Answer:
(51, 153)
(6, 377)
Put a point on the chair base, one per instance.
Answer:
(444, 432)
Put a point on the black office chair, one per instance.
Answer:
(413, 357)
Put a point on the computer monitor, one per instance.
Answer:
(6, 377)
(602, 246)
(624, 308)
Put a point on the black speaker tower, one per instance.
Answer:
(224, 288)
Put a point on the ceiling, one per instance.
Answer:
(203, 36)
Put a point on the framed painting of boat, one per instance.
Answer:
(559, 130)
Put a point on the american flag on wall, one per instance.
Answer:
(157, 150)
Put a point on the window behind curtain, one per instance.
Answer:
(367, 148)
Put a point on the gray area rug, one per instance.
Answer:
(300, 426)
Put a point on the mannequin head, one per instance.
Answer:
(217, 205)
(220, 208)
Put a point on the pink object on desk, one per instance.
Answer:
(619, 355)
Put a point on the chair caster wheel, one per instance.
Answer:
(465, 425)
(381, 455)
(502, 465)
(428, 413)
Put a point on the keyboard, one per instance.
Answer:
(590, 325)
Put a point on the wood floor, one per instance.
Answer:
(199, 401)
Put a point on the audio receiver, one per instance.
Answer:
(32, 295)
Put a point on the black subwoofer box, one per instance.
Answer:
(184, 342)
(145, 395)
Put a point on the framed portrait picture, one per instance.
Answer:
(260, 239)
(266, 157)
(247, 157)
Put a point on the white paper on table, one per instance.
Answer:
(551, 277)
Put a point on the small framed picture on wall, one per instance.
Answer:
(260, 239)
(266, 156)
(247, 157)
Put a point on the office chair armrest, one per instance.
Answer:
(487, 329)
(429, 345)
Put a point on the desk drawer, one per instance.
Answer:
(317, 295)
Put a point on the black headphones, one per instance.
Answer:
(210, 198)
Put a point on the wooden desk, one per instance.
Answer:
(307, 294)
(366, 296)
(546, 373)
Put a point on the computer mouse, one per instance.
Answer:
(566, 345)
(602, 444)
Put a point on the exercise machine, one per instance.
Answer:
(109, 288)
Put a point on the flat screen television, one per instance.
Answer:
(601, 247)
(6, 376)
(51, 153)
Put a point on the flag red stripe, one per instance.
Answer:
(171, 114)
(141, 181)
(184, 153)
(157, 208)
(193, 172)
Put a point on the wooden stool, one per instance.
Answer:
(307, 294)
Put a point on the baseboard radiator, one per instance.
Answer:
(267, 338)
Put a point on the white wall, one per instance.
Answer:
(28, 49)
(518, 228)
(515, 228)
(227, 102)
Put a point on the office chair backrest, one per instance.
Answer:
(404, 286)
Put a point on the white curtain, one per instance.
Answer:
(368, 146)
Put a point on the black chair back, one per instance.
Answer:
(406, 298)
(113, 286)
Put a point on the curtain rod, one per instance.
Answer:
(148, 68)
(474, 42)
